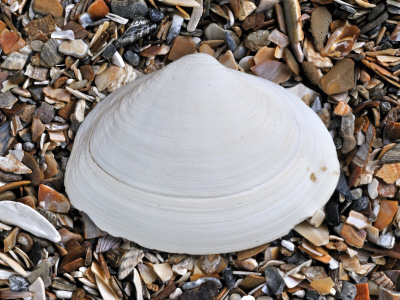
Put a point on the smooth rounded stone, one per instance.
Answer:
(235, 297)
(193, 284)
(274, 280)
(360, 204)
(207, 290)
(340, 78)
(36, 92)
(45, 7)
(376, 11)
(332, 213)
(109, 51)
(75, 48)
(18, 283)
(110, 75)
(36, 45)
(45, 113)
(257, 39)
(248, 297)
(129, 9)
(155, 15)
(320, 20)
(356, 193)
(349, 291)
(227, 276)
(98, 10)
(28, 146)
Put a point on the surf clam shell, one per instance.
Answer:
(198, 158)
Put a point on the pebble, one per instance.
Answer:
(155, 15)
(131, 57)
(318, 236)
(14, 61)
(45, 7)
(349, 291)
(193, 284)
(323, 286)
(356, 193)
(387, 240)
(18, 283)
(129, 9)
(109, 51)
(138, 29)
(257, 39)
(182, 45)
(235, 297)
(360, 204)
(110, 75)
(98, 10)
(227, 276)
(340, 78)
(49, 54)
(207, 290)
(175, 28)
(75, 48)
(63, 35)
(373, 188)
(28, 146)
(274, 280)
(392, 155)
(45, 113)
(314, 272)
(332, 213)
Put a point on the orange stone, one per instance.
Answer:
(27, 200)
(18, 45)
(45, 7)
(386, 213)
(7, 40)
(52, 200)
(386, 190)
(67, 235)
(98, 10)
(342, 109)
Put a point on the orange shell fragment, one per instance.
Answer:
(389, 172)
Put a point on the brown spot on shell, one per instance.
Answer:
(313, 177)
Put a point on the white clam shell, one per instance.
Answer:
(198, 158)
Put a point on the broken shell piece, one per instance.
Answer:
(28, 219)
(199, 162)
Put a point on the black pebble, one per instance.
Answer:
(109, 51)
(132, 58)
(360, 204)
(332, 213)
(227, 275)
(155, 15)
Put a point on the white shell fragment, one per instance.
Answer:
(23, 216)
(198, 158)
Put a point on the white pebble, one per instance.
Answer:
(288, 245)
(63, 35)
(373, 189)
(117, 60)
(248, 298)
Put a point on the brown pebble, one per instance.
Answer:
(272, 70)
(87, 72)
(52, 200)
(182, 45)
(45, 113)
(37, 128)
(24, 241)
(11, 239)
(364, 76)
(66, 111)
(42, 27)
(46, 7)
(353, 236)
(67, 235)
(310, 71)
(98, 10)
(205, 48)
(340, 78)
